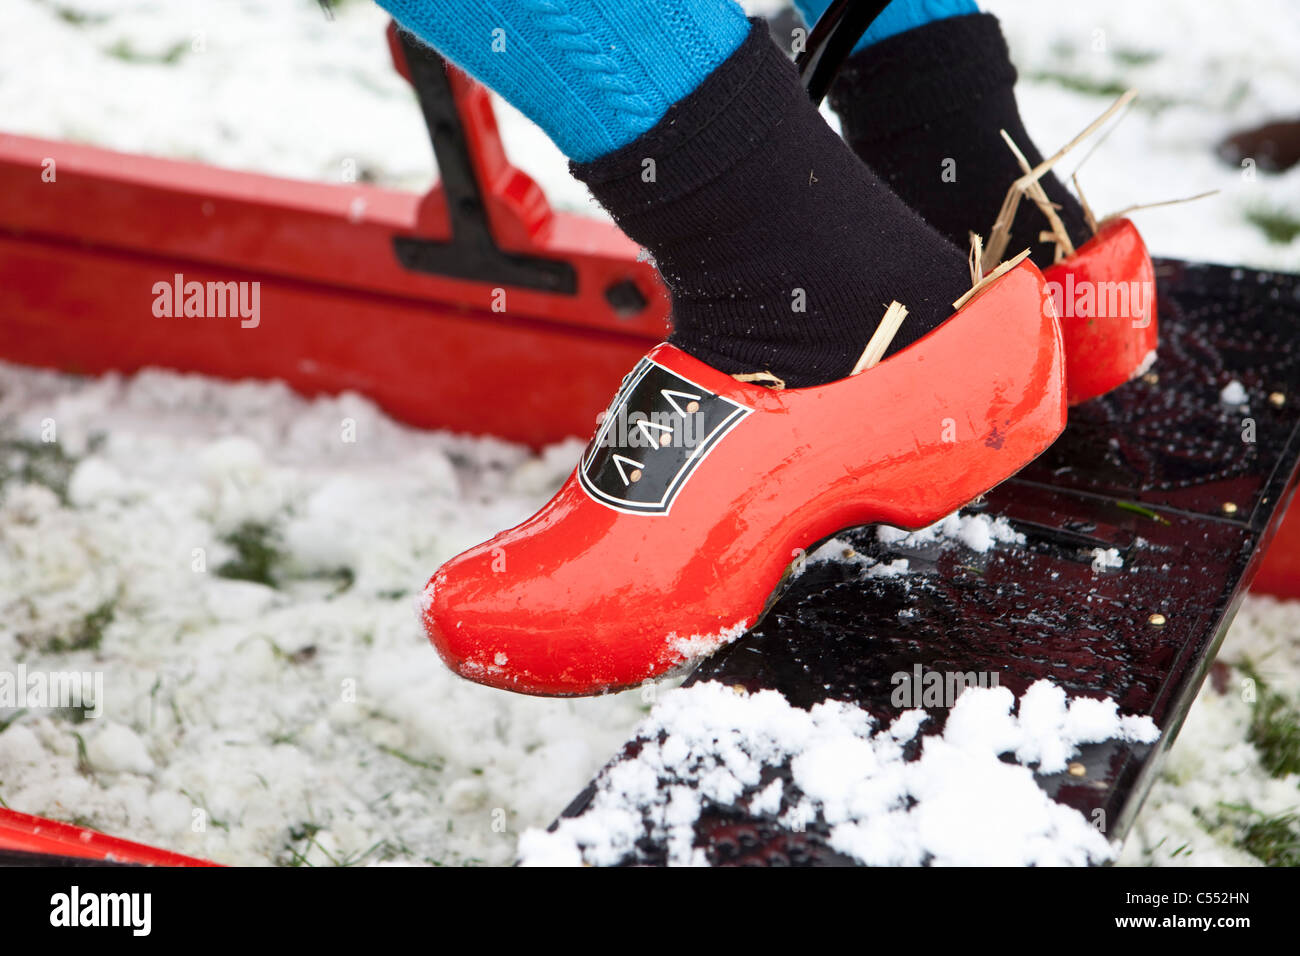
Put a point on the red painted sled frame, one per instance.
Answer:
(80, 256)
(386, 293)
(23, 834)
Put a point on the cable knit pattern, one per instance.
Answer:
(899, 17)
(594, 74)
(600, 71)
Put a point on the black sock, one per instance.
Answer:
(932, 100)
(781, 249)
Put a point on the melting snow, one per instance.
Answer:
(1145, 365)
(702, 645)
(1103, 558)
(314, 707)
(978, 532)
(1234, 394)
(958, 804)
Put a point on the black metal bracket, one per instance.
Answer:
(832, 40)
(472, 252)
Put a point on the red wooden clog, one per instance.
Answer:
(688, 505)
(1105, 298)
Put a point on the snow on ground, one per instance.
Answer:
(304, 718)
(1203, 71)
(1219, 795)
(977, 532)
(304, 712)
(712, 742)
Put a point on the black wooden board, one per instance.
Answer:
(1165, 445)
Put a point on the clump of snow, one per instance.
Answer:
(701, 645)
(537, 848)
(837, 550)
(424, 600)
(118, 749)
(1234, 393)
(978, 532)
(958, 803)
(1103, 558)
(1145, 365)
(889, 569)
(1050, 726)
(840, 551)
(768, 800)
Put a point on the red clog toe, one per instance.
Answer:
(1105, 296)
(697, 490)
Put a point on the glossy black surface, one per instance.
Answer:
(1146, 470)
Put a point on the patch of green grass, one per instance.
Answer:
(260, 558)
(1109, 89)
(76, 17)
(1278, 226)
(381, 849)
(37, 463)
(329, 5)
(435, 765)
(1274, 727)
(256, 554)
(1131, 57)
(1236, 96)
(85, 634)
(304, 833)
(303, 655)
(1082, 84)
(469, 861)
(1274, 841)
(73, 715)
(84, 766)
(1138, 509)
(122, 50)
(1063, 49)
(302, 837)
(344, 578)
(208, 815)
(88, 633)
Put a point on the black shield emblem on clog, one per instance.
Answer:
(653, 437)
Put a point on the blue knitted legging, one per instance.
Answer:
(594, 74)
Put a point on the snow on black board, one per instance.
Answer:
(1172, 471)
